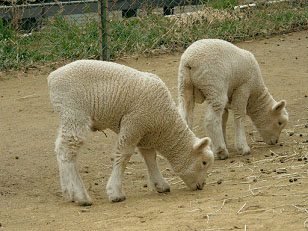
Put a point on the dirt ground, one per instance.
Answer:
(252, 192)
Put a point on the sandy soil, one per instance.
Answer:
(243, 192)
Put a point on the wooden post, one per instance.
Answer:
(103, 29)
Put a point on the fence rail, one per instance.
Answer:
(44, 33)
(79, 7)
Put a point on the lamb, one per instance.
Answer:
(227, 77)
(98, 95)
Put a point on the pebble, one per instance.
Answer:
(84, 210)
(300, 159)
(305, 158)
(281, 170)
(96, 183)
(291, 180)
(219, 181)
(291, 133)
(16, 157)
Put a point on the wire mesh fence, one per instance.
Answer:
(37, 32)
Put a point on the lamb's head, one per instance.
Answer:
(275, 119)
(201, 159)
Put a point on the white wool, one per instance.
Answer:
(98, 95)
(228, 77)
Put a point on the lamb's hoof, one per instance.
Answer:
(82, 199)
(85, 204)
(161, 187)
(164, 191)
(118, 199)
(244, 151)
(222, 155)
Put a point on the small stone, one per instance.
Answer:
(295, 179)
(255, 180)
(261, 170)
(281, 161)
(305, 158)
(281, 145)
(291, 133)
(96, 183)
(278, 45)
(296, 58)
(281, 170)
(84, 210)
(306, 96)
(181, 206)
(16, 157)
(232, 170)
(231, 161)
(145, 186)
(272, 154)
(300, 135)
(300, 159)
(306, 126)
(86, 171)
(219, 181)
(290, 180)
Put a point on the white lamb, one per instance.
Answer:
(228, 77)
(96, 95)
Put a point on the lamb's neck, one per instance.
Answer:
(177, 145)
(258, 102)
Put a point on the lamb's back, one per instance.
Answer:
(219, 61)
(107, 91)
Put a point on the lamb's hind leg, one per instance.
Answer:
(156, 180)
(213, 124)
(70, 138)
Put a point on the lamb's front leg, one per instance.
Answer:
(156, 180)
(240, 137)
(239, 103)
(114, 185)
(213, 124)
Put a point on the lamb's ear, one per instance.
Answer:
(204, 142)
(279, 106)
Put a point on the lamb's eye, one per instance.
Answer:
(204, 162)
(279, 123)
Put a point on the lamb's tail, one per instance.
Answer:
(186, 93)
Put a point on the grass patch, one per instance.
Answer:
(61, 38)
